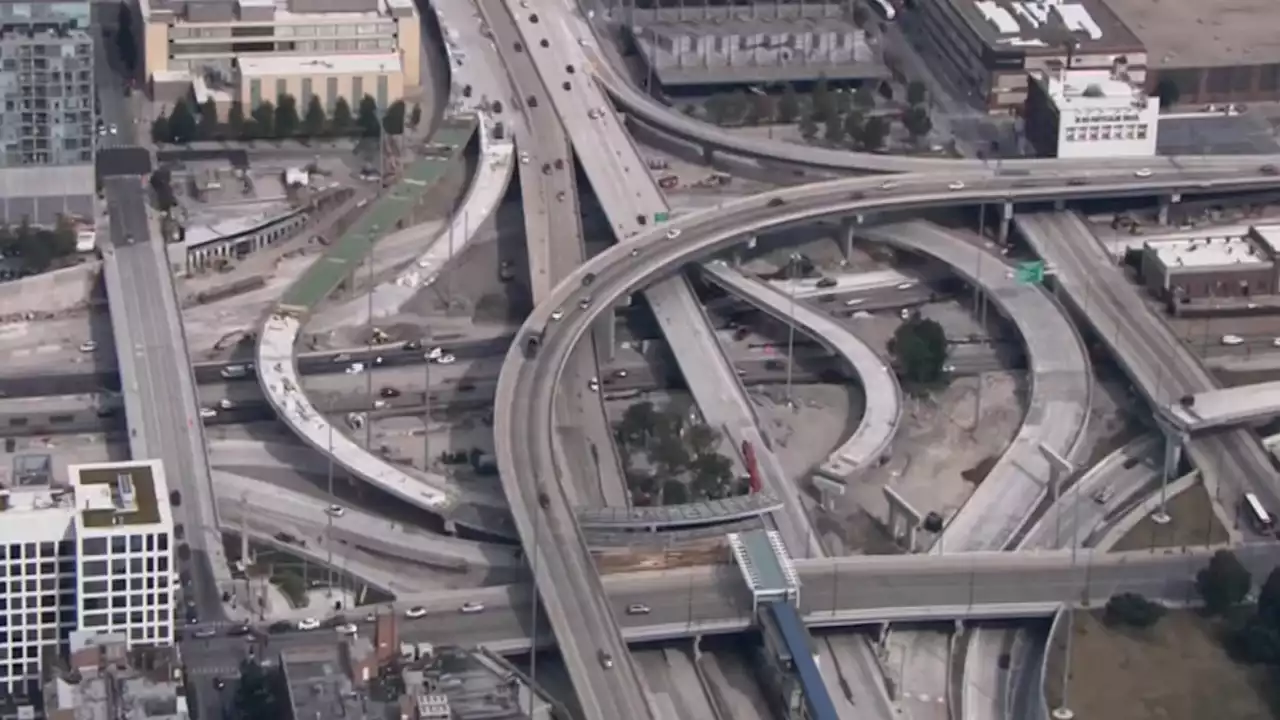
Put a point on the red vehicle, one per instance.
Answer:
(753, 468)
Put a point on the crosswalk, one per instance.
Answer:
(225, 672)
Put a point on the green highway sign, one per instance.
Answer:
(1030, 273)
(661, 217)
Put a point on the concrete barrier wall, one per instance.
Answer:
(57, 291)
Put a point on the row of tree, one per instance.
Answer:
(189, 121)
(36, 248)
(676, 449)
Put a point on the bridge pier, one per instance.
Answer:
(1006, 217)
(848, 230)
(708, 154)
(904, 520)
(1162, 216)
(450, 527)
(1173, 440)
(605, 331)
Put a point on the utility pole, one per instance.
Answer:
(426, 403)
(328, 534)
(980, 307)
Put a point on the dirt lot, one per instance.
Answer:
(1174, 671)
(1193, 523)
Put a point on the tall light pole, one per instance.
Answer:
(368, 371)
(328, 536)
(426, 403)
(793, 263)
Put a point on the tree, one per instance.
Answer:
(256, 698)
(669, 452)
(1269, 600)
(1168, 92)
(1224, 583)
(160, 132)
(916, 93)
(313, 123)
(712, 473)
(341, 120)
(808, 127)
(834, 129)
(182, 124)
(789, 105)
(1133, 610)
(162, 184)
(236, 119)
(860, 15)
(415, 117)
(638, 422)
(763, 109)
(701, 439)
(823, 107)
(264, 120)
(717, 107)
(916, 121)
(367, 117)
(874, 132)
(287, 120)
(853, 123)
(208, 127)
(920, 347)
(1250, 639)
(865, 97)
(674, 492)
(393, 119)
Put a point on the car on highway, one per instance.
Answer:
(524, 158)
(638, 609)
(240, 630)
(342, 358)
(776, 202)
(347, 629)
(88, 346)
(1275, 342)
(113, 129)
(1142, 173)
(673, 233)
(389, 392)
(415, 612)
(957, 185)
(890, 185)
(620, 374)
(1077, 181)
(532, 101)
(234, 372)
(379, 404)
(594, 114)
(447, 359)
(906, 285)
(433, 354)
(557, 314)
(471, 607)
(411, 345)
(1269, 169)
(606, 660)
(1103, 494)
(335, 511)
(226, 404)
(854, 301)
(219, 683)
(1232, 340)
(204, 633)
(544, 500)
(584, 303)
(828, 282)
(308, 624)
(588, 279)
(208, 413)
(355, 368)
(593, 385)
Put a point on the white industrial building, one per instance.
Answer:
(1090, 114)
(94, 554)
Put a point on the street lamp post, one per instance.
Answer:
(792, 266)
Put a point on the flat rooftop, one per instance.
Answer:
(1207, 252)
(1085, 89)
(1204, 33)
(1036, 27)
(371, 64)
(112, 494)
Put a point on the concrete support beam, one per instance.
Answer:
(1006, 217)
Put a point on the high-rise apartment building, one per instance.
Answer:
(47, 113)
(94, 554)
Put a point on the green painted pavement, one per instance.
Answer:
(378, 219)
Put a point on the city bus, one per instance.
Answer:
(1258, 516)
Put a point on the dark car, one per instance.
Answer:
(532, 101)
(828, 282)
(531, 345)
(240, 630)
(389, 392)
(218, 683)
(776, 202)
(544, 500)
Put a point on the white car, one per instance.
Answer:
(341, 358)
(584, 303)
(1103, 494)
(957, 185)
(308, 624)
(1142, 173)
(88, 346)
(434, 353)
(471, 608)
(1275, 342)
(415, 612)
(906, 285)
(226, 404)
(638, 609)
(854, 302)
(524, 158)
(889, 185)
(113, 129)
(594, 113)
(379, 404)
(335, 511)
(208, 413)
(557, 314)
(593, 385)
(1232, 340)
(424, 263)
(447, 360)
(355, 369)
(347, 629)
(673, 233)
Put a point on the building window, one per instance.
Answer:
(255, 93)
(382, 91)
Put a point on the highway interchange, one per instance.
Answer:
(526, 412)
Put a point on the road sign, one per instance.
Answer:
(1030, 273)
(661, 217)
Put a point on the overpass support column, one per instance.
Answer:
(450, 528)
(1006, 217)
(848, 230)
(1173, 440)
(708, 154)
(1163, 215)
(605, 331)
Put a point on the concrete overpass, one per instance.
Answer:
(1224, 407)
